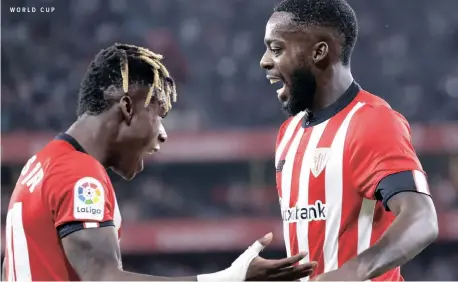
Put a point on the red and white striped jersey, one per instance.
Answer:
(60, 190)
(327, 172)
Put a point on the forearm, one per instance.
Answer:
(121, 275)
(407, 237)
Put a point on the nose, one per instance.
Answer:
(162, 134)
(266, 63)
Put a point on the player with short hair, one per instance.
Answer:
(63, 221)
(353, 193)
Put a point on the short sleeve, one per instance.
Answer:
(379, 145)
(79, 194)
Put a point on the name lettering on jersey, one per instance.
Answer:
(89, 199)
(316, 211)
(32, 177)
(319, 161)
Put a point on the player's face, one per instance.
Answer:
(288, 60)
(138, 137)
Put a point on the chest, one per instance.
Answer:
(312, 170)
(312, 162)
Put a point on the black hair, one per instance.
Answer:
(334, 14)
(121, 65)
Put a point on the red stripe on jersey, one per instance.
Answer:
(316, 235)
(283, 156)
(294, 195)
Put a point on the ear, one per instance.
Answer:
(320, 51)
(127, 108)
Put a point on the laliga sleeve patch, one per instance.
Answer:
(88, 199)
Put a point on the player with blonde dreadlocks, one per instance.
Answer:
(146, 69)
(66, 205)
(130, 85)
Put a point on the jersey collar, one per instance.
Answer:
(69, 139)
(331, 110)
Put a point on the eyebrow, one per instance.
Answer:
(268, 41)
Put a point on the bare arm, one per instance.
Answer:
(95, 255)
(414, 228)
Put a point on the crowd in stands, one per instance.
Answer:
(213, 49)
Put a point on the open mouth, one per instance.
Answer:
(275, 80)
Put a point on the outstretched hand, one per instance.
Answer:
(261, 269)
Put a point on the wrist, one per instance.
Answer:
(223, 275)
(238, 270)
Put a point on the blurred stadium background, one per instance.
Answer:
(211, 191)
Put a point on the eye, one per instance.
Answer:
(275, 50)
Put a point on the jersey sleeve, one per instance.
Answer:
(79, 195)
(382, 159)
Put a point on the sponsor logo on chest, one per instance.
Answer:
(313, 212)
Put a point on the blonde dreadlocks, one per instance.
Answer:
(121, 65)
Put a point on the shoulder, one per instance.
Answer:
(379, 119)
(76, 162)
(378, 128)
(376, 119)
(68, 170)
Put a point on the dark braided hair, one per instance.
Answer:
(119, 66)
(335, 14)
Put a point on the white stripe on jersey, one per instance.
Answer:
(302, 226)
(334, 193)
(365, 220)
(91, 224)
(21, 252)
(421, 182)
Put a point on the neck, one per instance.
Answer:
(333, 84)
(93, 134)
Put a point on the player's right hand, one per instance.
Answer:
(260, 269)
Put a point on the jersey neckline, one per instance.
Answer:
(72, 141)
(331, 110)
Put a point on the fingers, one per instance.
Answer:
(289, 261)
(265, 241)
(254, 250)
(261, 243)
(292, 273)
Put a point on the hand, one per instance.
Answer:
(277, 270)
